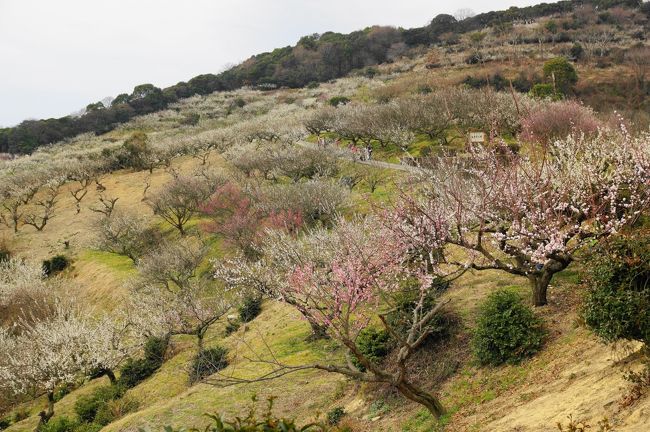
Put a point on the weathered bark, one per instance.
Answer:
(540, 280)
(318, 331)
(45, 416)
(111, 376)
(539, 285)
(199, 340)
(422, 397)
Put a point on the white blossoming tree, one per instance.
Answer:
(171, 295)
(49, 352)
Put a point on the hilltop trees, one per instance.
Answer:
(526, 215)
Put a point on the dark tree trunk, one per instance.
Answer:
(540, 280)
(111, 376)
(199, 341)
(318, 331)
(422, 397)
(539, 286)
(45, 416)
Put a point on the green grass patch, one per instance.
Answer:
(119, 264)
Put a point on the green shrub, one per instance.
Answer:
(267, 422)
(374, 344)
(59, 424)
(4, 423)
(250, 308)
(474, 58)
(507, 330)
(617, 305)
(88, 406)
(405, 301)
(335, 415)
(563, 72)
(134, 371)
(577, 51)
(55, 265)
(115, 409)
(370, 72)
(339, 100)
(544, 91)
(232, 326)
(154, 350)
(208, 362)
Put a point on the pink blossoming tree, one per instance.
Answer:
(527, 215)
(343, 281)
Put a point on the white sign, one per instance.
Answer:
(476, 137)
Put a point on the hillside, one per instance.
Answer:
(271, 174)
(598, 26)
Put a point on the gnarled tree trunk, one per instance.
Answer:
(422, 397)
(540, 279)
(45, 416)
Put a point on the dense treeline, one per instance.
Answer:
(316, 58)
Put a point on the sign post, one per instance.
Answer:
(477, 138)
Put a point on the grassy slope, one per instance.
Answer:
(573, 375)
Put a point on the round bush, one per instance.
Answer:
(4, 423)
(339, 100)
(507, 330)
(59, 424)
(154, 350)
(208, 362)
(405, 301)
(335, 415)
(374, 344)
(87, 406)
(544, 91)
(250, 308)
(563, 72)
(617, 305)
(134, 371)
(55, 265)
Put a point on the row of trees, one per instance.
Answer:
(438, 115)
(527, 215)
(315, 58)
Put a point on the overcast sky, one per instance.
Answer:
(58, 56)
